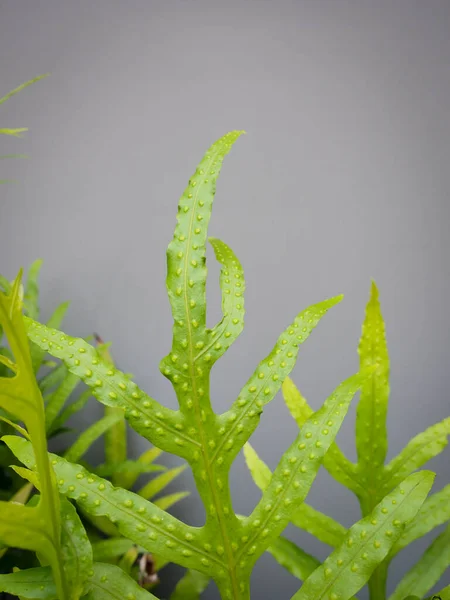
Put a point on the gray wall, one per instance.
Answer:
(342, 176)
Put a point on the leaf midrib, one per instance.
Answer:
(218, 506)
(361, 547)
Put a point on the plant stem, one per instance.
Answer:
(224, 589)
(377, 583)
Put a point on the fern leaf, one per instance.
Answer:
(146, 458)
(37, 354)
(232, 284)
(323, 527)
(109, 582)
(367, 543)
(32, 584)
(17, 132)
(371, 435)
(243, 417)
(128, 466)
(296, 472)
(157, 484)
(39, 526)
(337, 465)
(106, 550)
(115, 436)
(186, 269)
(166, 502)
(32, 290)
(292, 558)
(59, 397)
(416, 453)
(52, 378)
(21, 87)
(428, 570)
(69, 411)
(136, 518)
(110, 386)
(89, 436)
(76, 549)
(435, 511)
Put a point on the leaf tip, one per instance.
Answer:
(337, 299)
(373, 289)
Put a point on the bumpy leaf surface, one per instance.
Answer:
(227, 546)
(106, 582)
(109, 582)
(337, 465)
(37, 354)
(35, 584)
(435, 511)
(296, 472)
(428, 570)
(371, 435)
(76, 549)
(367, 543)
(370, 479)
(323, 527)
(31, 528)
(136, 518)
(110, 386)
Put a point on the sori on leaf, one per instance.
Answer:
(228, 545)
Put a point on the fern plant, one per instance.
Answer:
(57, 386)
(227, 546)
(370, 479)
(54, 383)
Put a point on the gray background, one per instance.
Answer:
(343, 176)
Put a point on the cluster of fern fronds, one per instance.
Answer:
(72, 498)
